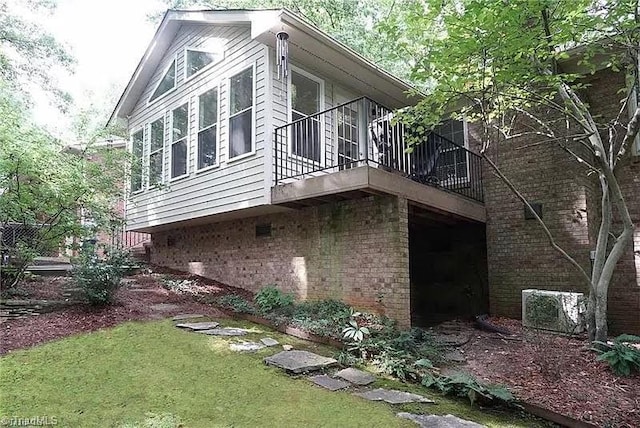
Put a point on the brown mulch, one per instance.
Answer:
(133, 302)
(554, 372)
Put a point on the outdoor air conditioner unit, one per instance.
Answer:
(553, 310)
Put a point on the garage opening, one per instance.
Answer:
(447, 268)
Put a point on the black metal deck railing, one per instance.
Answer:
(361, 132)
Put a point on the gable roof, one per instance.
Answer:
(307, 45)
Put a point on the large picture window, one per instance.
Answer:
(208, 128)
(197, 60)
(156, 151)
(167, 83)
(137, 146)
(241, 113)
(305, 93)
(180, 128)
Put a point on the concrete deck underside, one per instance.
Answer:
(374, 180)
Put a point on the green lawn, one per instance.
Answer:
(123, 376)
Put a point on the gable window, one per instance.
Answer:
(305, 96)
(208, 128)
(241, 113)
(167, 83)
(156, 151)
(137, 145)
(196, 60)
(180, 128)
(452, 159)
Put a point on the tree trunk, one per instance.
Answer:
(601, 330)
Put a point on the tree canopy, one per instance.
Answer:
(28, 53)
(505, 63)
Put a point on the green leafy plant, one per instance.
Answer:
(236, 303)
(623, 358)
(354, 332)
(270, 298)
(466, 385)
(99, 278)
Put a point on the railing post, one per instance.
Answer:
(363, 125)
(275, 155)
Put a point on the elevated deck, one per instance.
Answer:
(355, 182)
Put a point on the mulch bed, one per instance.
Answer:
(554, 372)
(133, 302)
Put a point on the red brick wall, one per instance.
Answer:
(519, 254)
(356, 251)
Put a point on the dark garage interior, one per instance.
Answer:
(447, 268)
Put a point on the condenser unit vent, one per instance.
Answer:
(553, 310)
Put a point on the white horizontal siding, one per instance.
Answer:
(232, 184)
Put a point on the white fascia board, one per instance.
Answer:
(321, 36)
(258, 19)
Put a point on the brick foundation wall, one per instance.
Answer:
(519, 254)
(355, 251)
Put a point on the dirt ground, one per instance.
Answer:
(551, 371)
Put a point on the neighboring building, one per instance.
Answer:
(255, 169)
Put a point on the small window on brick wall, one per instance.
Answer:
(263, 230)
(537, 208)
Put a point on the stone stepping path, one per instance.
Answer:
(224, 331)
(392, 396)
(196, 326)
(437, 421)
(296, 361)
(182, 317)
(355, 376)
(267, 341)
(299, 361)
(329, 383)
(246, 347)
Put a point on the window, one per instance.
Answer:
(196, 60)
(452, 162)
(305, 94)
(137, 144)
(208, 128)
(241, 113)
(156, 150)
(167, 83)
(180, 128)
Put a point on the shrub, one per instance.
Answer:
(621, 356)
(269, 299)
(100, 278)
(236, 303)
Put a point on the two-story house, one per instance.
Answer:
(265, 153)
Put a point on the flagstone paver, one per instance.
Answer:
(246, 347)
(164, 307)
(329, 383)
(224, 331)
(437, 421)
(392, 396)
(356, 376)
(198, 325)
(181, 317)
(299, 361)
(267, 341)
